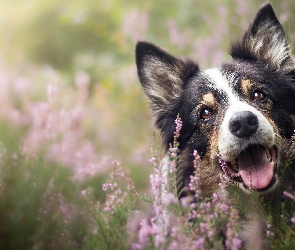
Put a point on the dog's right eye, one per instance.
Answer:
(206, 113)
(259, 96)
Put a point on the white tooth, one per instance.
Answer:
(268, 154)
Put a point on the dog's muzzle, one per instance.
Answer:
(254, 167)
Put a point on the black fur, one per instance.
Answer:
(187, 69)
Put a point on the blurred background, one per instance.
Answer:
(71, 104)
(68, 77)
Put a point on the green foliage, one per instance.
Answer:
(109, 219)
(40, 207)
(109, 231)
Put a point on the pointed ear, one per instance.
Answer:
(162, 77)
(265, 41)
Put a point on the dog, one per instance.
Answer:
(243, 109)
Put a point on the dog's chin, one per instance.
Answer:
(254, 169)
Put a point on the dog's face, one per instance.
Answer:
(244, 109)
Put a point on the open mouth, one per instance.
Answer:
(254, 167)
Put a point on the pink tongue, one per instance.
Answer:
(255, 168)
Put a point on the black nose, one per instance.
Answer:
(243, 124)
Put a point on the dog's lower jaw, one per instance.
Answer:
(254, 169)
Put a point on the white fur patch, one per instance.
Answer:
(229, 145)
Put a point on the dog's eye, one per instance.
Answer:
(206, 113)
(259, 96)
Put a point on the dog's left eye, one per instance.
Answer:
(259, 96)
(206, 113)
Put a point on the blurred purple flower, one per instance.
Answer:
(135, 25)
(175, 37)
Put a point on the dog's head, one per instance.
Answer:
(245, 109)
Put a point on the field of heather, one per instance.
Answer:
(80, 160)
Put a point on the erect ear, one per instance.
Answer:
(162, 77)
(265, 41)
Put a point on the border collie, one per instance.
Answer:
(244, 109)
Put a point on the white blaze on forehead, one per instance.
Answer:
(220, 82)
(229, 145)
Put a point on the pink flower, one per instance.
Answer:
(198, 244)
(145, 231)
(186, 201)
(236, 244)
(82, 79)
(153, 160)
(175, 36)
(289, 195)
(178, 123)
(136, 24)
(51, 92)
(137, 246)
(169, 199)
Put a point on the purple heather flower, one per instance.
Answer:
(144, 232)
(175, 36)
(288, 195)
(169, 199)
(153, 160)
(186, 201)
(198, 244)
(135, 25)
(137, 246)
(178, 123)
(236, 244)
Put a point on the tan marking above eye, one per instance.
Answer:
(246, 86)
(209, 99)
(207, 105)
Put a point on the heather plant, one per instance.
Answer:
(40, 207)
(192, 222)
(109, 218)
(212, 223)
(43, 207)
